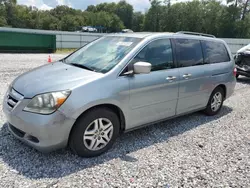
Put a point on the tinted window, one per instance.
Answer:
(189, 52)
(158, 53)
(215, 52)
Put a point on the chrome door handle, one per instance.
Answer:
(171, 78)
(186, 76)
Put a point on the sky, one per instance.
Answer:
(139, 5)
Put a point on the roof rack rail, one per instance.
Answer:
(195, 33)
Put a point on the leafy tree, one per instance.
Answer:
(89, 17)
(211, 17)
(207, 16)
(106, 7)
(242, 27)
(111, 21)
(122, 9)
(3, 21)
(61, 11)
(69, 23)
(10, 8)
(8, 1)
(242, 4)
(153, 16)
(125, 12)
(48, 22)
(91, 8)
(116, 23)
(137, 24)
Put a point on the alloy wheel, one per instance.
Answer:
(98, 134)
(216, 101)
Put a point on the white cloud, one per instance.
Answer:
(29, 2)
(139, 5)
(45, 7)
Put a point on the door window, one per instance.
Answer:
(215, 52)
(158, 53)
(189, 52)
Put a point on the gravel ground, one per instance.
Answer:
(190, 151)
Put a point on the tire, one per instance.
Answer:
(85, 127)
(211, 110)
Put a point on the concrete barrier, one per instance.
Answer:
(66, 39)
(12, 41)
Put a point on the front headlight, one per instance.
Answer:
(47, 103)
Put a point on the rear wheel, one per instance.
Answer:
(215, 102)
(94, 132)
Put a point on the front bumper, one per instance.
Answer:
(45, 133)
(243, 73)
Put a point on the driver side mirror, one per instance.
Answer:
(142, 68)
(139, 68)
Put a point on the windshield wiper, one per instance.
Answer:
(82, 66)
(62, 60)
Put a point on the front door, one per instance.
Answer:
(154, 96)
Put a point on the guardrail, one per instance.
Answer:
(66, 39)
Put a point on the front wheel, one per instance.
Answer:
(94, 132)
(215, 102)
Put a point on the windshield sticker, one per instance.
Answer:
(124, 43)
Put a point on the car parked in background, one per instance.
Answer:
(127, 31)
(116, 84)
(89, 29)
(242, 61)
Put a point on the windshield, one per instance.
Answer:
(103, 54)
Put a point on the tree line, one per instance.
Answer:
(230, 19)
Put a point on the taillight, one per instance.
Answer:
(235, 71)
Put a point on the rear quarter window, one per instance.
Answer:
(214, 52)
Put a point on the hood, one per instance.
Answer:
(245, 49)
(52, 77)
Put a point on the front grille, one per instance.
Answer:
(12, 101)
(13, 97)
(17, 131)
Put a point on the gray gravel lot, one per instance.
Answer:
(190, 151)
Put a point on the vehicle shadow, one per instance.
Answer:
(35, 165)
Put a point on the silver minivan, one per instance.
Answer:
(115, 84)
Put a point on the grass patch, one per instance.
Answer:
(65, 51)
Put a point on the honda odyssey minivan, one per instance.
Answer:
(115, 84)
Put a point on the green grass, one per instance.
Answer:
(65, 51)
